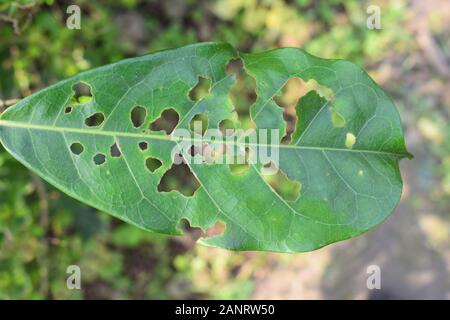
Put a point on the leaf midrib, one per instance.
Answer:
(26, 125)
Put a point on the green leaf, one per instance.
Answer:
(108, 146)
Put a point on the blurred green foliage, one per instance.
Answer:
(42, 231)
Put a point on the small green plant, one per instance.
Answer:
(106, 138)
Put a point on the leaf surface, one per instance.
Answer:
(106, 152)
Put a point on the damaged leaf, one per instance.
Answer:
(108, 145)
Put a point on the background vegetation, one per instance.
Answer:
(42, 231)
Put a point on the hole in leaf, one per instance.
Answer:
(199, 123)
(289, 95)
(195, 150)
(350, 140)
(234, 66)
(323, 91)
(68, 110)
(81, 93)
(180, 178)
(138, 115)
(227, 127)
(293, 92)
(242, 93)
(201, 89)
(192, 234)
(95, 119)
(76, 148)
(167, 122)
(115, 151)
(143, 145)
(286, 188)
(152, 164)
(99, 159)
